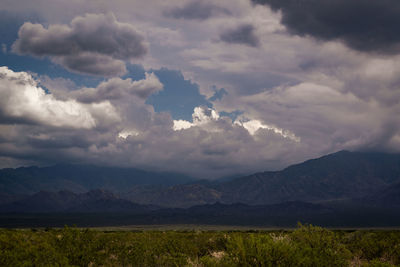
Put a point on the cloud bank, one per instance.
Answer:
(300, 79)
(95, 44)
(112, 124)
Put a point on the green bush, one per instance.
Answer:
(306, 246)
(375, 246)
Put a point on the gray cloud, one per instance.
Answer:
(227, 151)
(117, 89)
(198, 10)
(93, 64)
(66, 130)
(328, 95)
(95, 44)
(364, 25)
(244, 34)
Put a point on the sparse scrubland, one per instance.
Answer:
(305, 246)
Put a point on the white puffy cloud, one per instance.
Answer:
(125, 133)
(202, 116)
(254, 125)
(208, 118)
(23, 100)
(182, 124)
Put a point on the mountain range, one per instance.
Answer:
(66, 201)
(340, 185)
(342, 175)
(81, 178)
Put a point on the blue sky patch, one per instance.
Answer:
(179, 96)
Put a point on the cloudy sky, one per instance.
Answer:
(209, 88)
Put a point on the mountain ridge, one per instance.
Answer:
(81, 178)
(340, 175)
(66, 201)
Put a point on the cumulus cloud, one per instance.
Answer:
(94, 44)
(208, 119)
(243, 34)
(364, 25)
(182, 124)
(217, 143)
(254, 125)
(201, 116)
(51, 128)
(128, 97)
(117, 88)
(199, 10)
(22, 100)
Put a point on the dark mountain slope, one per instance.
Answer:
(339, 175)
(342, 175)
(180, 196)
(65, 201)
(242, 214)
(81, 178)
(387, 198)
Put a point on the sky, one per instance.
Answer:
(208, 88)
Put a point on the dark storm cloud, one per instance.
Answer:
(364, 25)
(196, 10)
(94, 44)
(244, 34)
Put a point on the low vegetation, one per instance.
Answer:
(306, 246)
